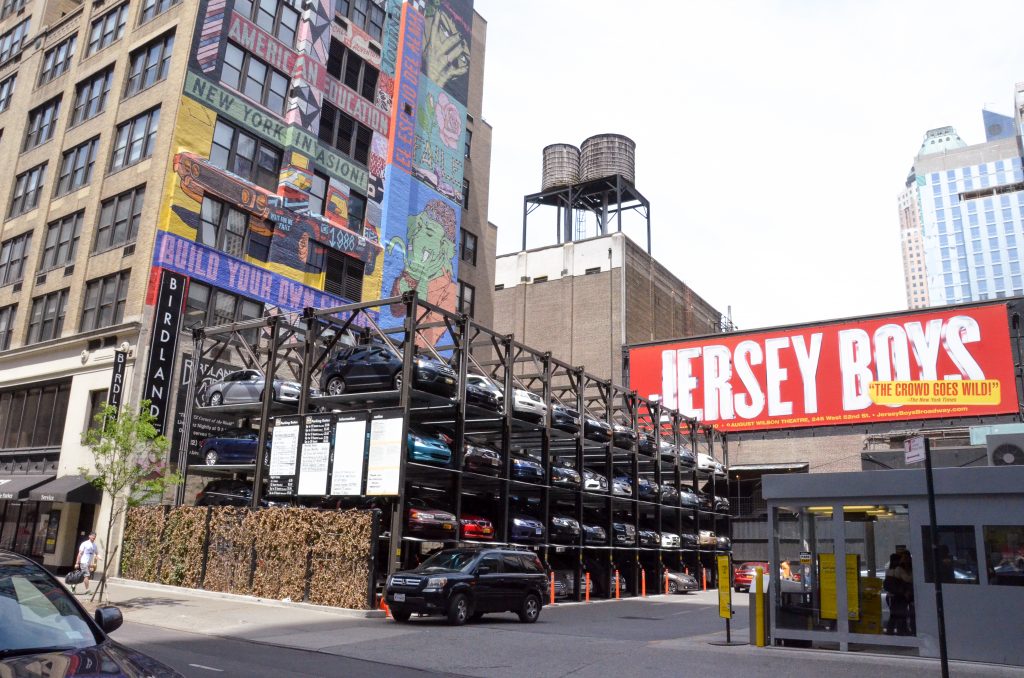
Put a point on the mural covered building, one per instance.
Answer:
(185, 163)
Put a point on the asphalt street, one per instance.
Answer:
(658, 636)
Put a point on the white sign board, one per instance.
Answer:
(349, 444)
(284, 449)
(316, 453)
(385, 459)
(913, 450)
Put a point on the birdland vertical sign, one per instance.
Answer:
(168, 295)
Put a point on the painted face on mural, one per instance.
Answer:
(430, 250)
(445, 48)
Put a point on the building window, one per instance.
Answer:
(343, 275)
(356, 211)
(61, 241)
(467, 299)
(1004, 554)
(119, 219)
(148, 65)
(245, 155)
(7, 91)
(57, 60)
(135, 139)
(318, 193)
(105, 300)
(254, 78)
(467, 246)
(34, 416)
(91, 96)
(274, 16)
(107, 29)
(154, 8)
(465, 193)
(344, 133)
(76, 166)
(27, 187)
(10, 7)
(7, 325)
(957, 551)
(97, 399)
(351, 69)
(13, 255)
(469, 141)
(364, 14)
(47, 318)
(209, 306)
(10, 41)
(42, 123)
(223, 227)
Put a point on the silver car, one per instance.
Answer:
(246, 386)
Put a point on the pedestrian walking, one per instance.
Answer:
(87, 557)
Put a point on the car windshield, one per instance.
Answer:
(447, 560)
(36, 614)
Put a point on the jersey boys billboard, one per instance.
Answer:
(926, 365)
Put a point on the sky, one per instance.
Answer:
(772, 138)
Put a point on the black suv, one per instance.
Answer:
(465, 583)
(375, 367)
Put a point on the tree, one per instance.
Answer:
(130, 460)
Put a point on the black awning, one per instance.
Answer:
(74, 489)
(17, 487)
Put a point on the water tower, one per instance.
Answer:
(597, 177)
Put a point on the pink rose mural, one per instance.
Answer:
(449, 120)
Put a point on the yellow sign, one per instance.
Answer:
(724, 588)
(953, 391)
(827, 579)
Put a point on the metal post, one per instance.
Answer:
(186, 424)
(939, 609)
(404, 401)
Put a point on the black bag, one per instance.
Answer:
(74, 577)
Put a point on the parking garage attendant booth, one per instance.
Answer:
(832, 537)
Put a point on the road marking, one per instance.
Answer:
(208, 668)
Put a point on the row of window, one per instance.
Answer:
(33, 416)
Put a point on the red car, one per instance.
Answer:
(476, 527)
(743, 576)
(427, 522)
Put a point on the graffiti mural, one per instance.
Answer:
(440, 137)
(449, 33)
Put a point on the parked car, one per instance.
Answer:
(429, 522)
(564, 530)
(476, 527)
(526, 529)
(233, 446)
(483, 392)
(527, 405)
(622, 486)
(686, 458)
(594, 481)
(527, 470)
(565, 583)
(669, 540)
(623, 436)
(680, 582)
(246, 386)
(465, 583)
(743, 575)
(427, 448)
(705, 463)
(624, 533)
(687, 497)
(721, 505)
(688, 539)
(564, 476)
(705, 502)
(376, 368)
(594, 534)
(596, 430)
(667, 452)
(647, 489)
(645, 443)
(564, 418)
(649, 538)
(46, 632)
(481, 459)
(707, 538)
(230, 492)
(669, 495)
(723, 543)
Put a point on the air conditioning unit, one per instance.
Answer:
(1006, 449)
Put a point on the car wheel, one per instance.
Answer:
(673, 587)
(458, 609)
(335, 386)
(211, 458)
(216, 398)
(531, 609)
(401, 616)
(476, 616)
(398, 382)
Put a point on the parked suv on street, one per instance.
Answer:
(466, 583)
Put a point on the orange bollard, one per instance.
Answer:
(616, 584)
(384, 606)
(552, 588)
(665, 590)
(704, 578)
(587, 590)
(643, 583)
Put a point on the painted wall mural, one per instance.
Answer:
(449, 33)
(440, 141)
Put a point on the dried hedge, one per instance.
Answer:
(318, 556)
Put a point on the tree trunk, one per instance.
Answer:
(100, 590)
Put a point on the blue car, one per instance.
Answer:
(428, 449)
(233, 446)
(527, 529)
(527, 469)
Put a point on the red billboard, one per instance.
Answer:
(922, 365)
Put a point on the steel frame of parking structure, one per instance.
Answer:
(299, 346)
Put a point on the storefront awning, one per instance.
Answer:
(67, 489)
(17, 487)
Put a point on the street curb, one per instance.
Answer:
(237, 597)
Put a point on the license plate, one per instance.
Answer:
(399, 597)
(447, 526)
(539, 530)
(487, 530)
